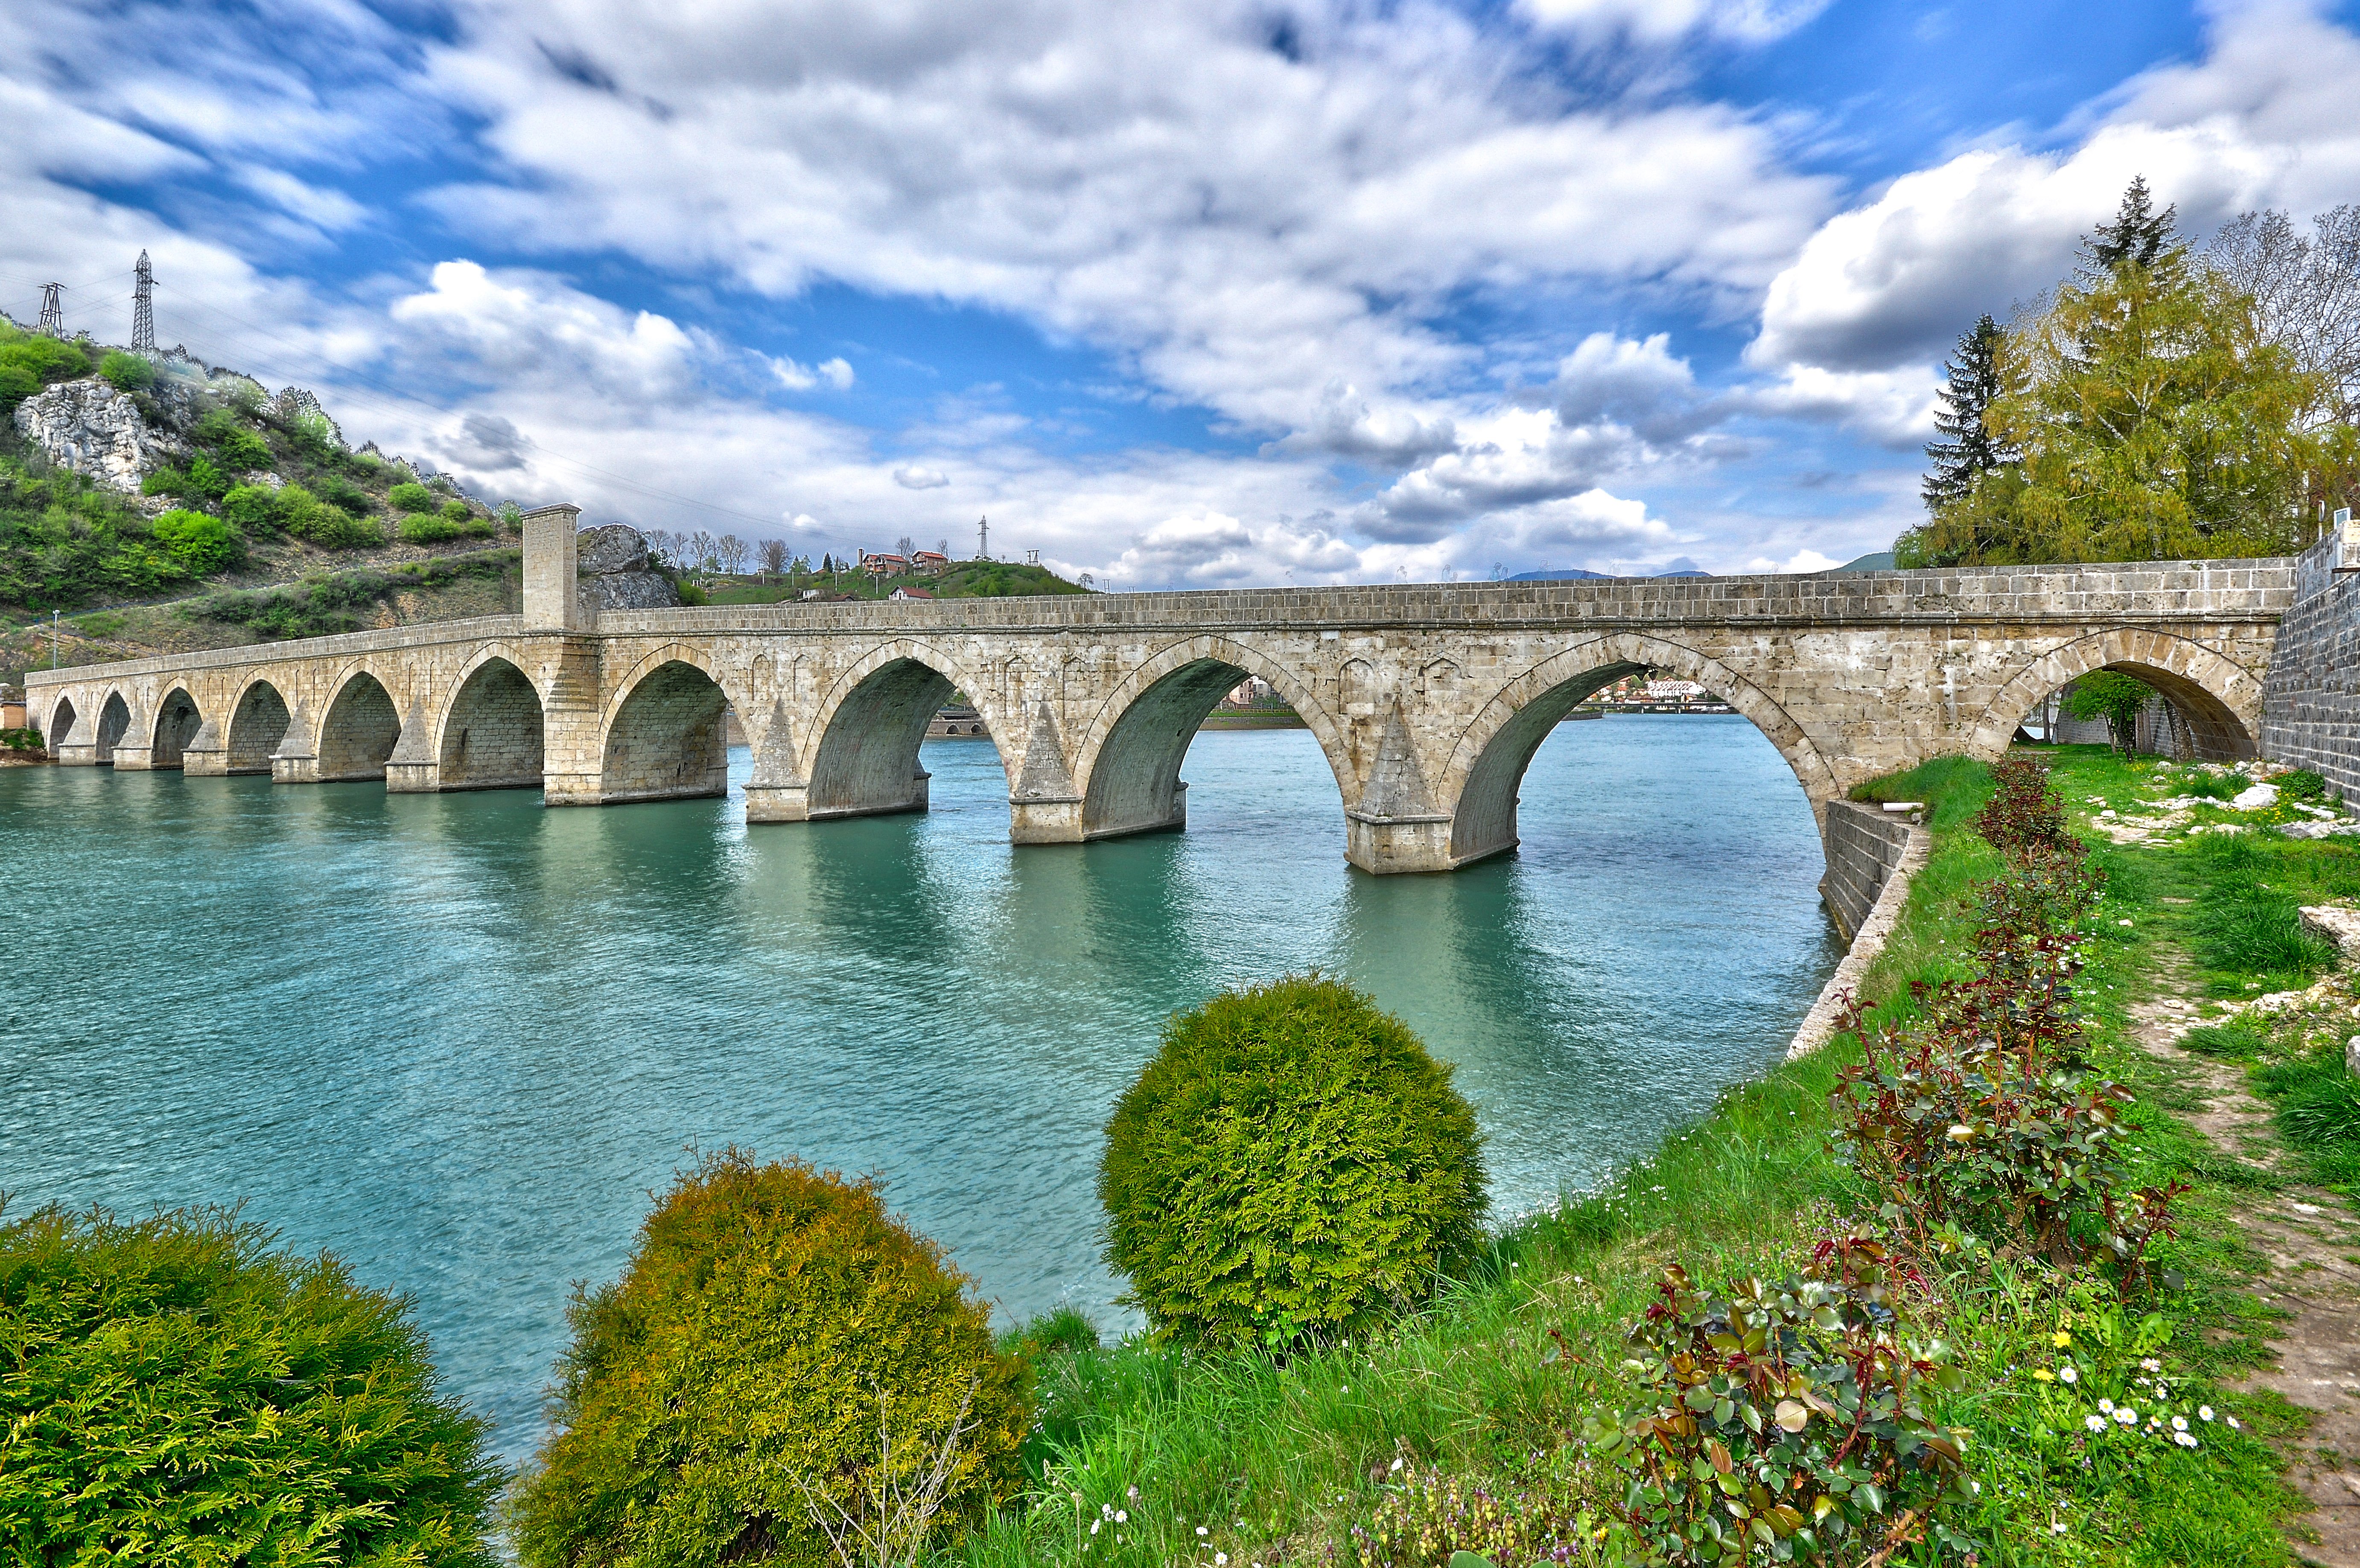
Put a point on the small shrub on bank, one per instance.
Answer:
(2300, 784)
(734, 1380)
(2023, 811)
(1292, 1165)
(179, 1392)
(127, 372)
(411, 496)
(201, 545)
(1783, 1421)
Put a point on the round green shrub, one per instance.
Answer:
(200, 544)
(741, 1358)
(2301, 784)
(127, 372)
(253, 507)
(1292, 1165)
(427, 528)
(176, 1391)
(411, 496)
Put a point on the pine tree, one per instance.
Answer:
(1967, 450)
(2139, 235)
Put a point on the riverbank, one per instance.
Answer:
(1238, 1460)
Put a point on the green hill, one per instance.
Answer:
(965, 579)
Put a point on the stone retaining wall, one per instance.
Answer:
(2311, 703)
(1864, 844)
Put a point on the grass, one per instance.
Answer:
(1242, 1456)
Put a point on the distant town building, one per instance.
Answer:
(903, 595)
(883, 565)
(931, 562)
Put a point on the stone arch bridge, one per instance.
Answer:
(1428, 701)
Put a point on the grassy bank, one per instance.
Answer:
(1370, 1451)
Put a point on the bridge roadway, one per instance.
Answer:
(1428, 700)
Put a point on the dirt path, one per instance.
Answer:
(2311, 1241)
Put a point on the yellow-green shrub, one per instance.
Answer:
(741, 1358)
(176, 1391)
(1291, 1165)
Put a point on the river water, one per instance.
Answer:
(458, 1038)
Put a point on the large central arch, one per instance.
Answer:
(1128, 761)
(257, 724)
(60, 726)
(493, 736)
(867, 760)
(664, 740)
(177, 723)
(1488, 766)
(359, 730)
(2220, 700)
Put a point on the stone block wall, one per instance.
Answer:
(1864, 844)
(2311, 704)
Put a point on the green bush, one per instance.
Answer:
(236, 445)
(127, 372)
(254, 508)
(345, 496)
(330, 528)
(2301, 784)
(202, 545)
(1292, 1165)
(741, 1358)
(178, 1392)
(410, 497)
(452, 522)
(29, 361)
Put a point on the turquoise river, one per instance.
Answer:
(459, 1039)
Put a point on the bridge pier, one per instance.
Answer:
(79, 748)
(1389, 845)
(207, 755)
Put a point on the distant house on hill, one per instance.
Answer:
(903, 595)
(931, 562)
(878, 565)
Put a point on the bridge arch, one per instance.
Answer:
(61, 724)
(359, 728)
(114, 724)
(258, 723)
(1128, 756)
(177, 721)
(662, 738)
(1488, 766)
(2220, 699)
(869, 726)
(493, 731)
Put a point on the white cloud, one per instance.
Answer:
(1895, 409)
(1247, 218)
(1660, 21)
(2261, 121)
(918, 476)
(529, 327)
(800, 378)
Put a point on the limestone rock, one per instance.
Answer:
(89, 426)
(2336, 924)
(2259, 797)
(617, 547)
(628, 591)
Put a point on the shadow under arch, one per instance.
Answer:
(1127, 764)
(871, 725)
(258, 723)
(2220, 700)
(114, 722)
(177, 723)
(494, 732)
(663, 740)
(61, 724)
(359, 729)
(1489, 763)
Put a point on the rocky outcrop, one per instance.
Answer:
(612, 564)
(92, 429)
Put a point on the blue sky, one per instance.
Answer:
(1247, 292)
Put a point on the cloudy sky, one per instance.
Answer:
(1241, 291)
